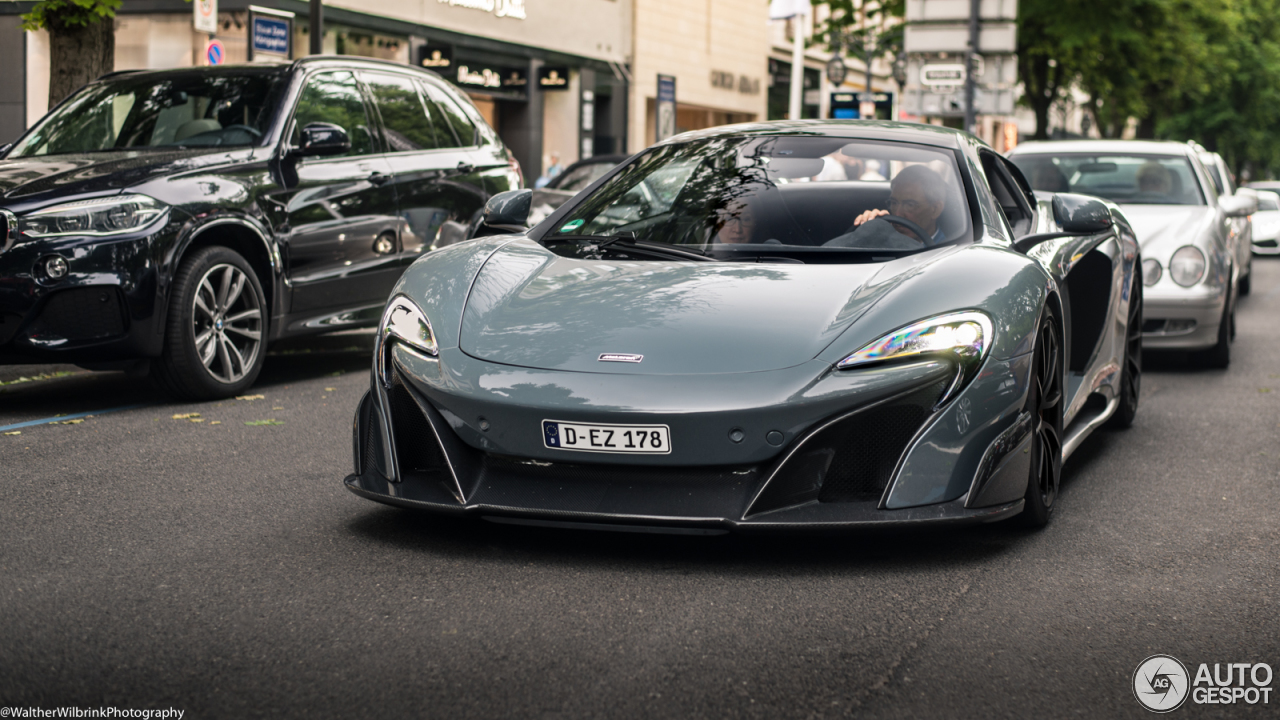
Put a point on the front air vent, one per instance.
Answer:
(417, 449)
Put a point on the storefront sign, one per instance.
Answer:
(861, 105)
(500, 8)
(727, 81)
(493, 78)
(665, 125)
(271, 35)
(553, 78)
(204, 15)
(836, 71)
(436, 57)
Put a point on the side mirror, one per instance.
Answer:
(1081, 214)
(1238, 205)
(319, 139)
(508, 211)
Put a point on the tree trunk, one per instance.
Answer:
(79, 54)
(1146, 128)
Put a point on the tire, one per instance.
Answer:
(215, 337)
(1246, 282)
(1131, 375)
(1045, 403)
(1219, 356)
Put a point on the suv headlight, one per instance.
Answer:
(402, 321)
(100, 216)
(965, 338)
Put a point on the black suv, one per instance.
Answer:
(178, 221)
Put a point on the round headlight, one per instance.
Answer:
(1186, 267)
(1151, 272)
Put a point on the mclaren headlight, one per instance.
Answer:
(402, 322)
(964, 338)
(101, 216)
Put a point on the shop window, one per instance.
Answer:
(403, 115)
(334, 98)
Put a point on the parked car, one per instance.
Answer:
(1242, 236)
(1266, 224)
(176, 222)
(572, 181)
(701, 343)
(1190, 268)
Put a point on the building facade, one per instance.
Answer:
(549, 77)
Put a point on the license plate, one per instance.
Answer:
(649, 439)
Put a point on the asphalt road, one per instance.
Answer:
(148, 561)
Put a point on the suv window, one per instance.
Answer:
(334, 97)
(445, 111)
(404, 123)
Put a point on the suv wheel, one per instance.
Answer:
(214, 343)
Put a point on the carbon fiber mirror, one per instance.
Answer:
(509, 210)
(1081, 214)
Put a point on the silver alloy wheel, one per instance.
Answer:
(227, 320)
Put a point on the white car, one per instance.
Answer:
(1186, 228)
(1266, 224)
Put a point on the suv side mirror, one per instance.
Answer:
(320, 138)
(1081, 214)
(1238, 205)
(508, 211)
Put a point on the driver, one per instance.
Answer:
(917, 194)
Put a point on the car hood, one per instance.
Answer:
(33, 178)
(531, 308)
(1163, 229)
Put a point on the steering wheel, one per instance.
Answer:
(257, 134)
(919, 232)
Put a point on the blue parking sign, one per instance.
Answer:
(270, 35)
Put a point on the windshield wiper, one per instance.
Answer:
(628, 240)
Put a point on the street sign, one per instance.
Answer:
(836, 71)
(861, 105)
(204, 15)
(665, 122)
(942, 10)
(271, 36)
(943, 75)
(214, 53)
(995, 37)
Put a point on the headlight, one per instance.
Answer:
(404, 322)
(1151, 272)
(1186, 267)
(964, 338)
(101, 216)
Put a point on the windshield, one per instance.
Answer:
(198, 110)
(741, 197)
(1131, 179)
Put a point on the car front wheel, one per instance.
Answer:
(1044, 402)
(215, 336)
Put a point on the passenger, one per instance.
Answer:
(917, 194)
(837, 167)
(737, 223)
(1154, 179)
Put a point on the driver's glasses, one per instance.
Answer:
(911, 206)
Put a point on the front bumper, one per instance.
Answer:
(863, 448)
(106, 309)
(1166, 312)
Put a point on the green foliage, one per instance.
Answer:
(852, 24)
(55, 15)
(1205, 70)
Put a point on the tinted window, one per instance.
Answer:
(1133, 179)
(1268, 201)
(404, 121)
(779, 192)
(334, 97)
(198, 110)
(445, 111)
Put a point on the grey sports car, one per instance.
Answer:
(797, 324)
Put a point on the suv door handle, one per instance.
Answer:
(378, 178)
(465, 167)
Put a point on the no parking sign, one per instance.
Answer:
(214, 52)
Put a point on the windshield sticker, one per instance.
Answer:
(571, 226)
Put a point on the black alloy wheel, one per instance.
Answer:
(1131, 375)
(1044, 402)
(215, 339)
